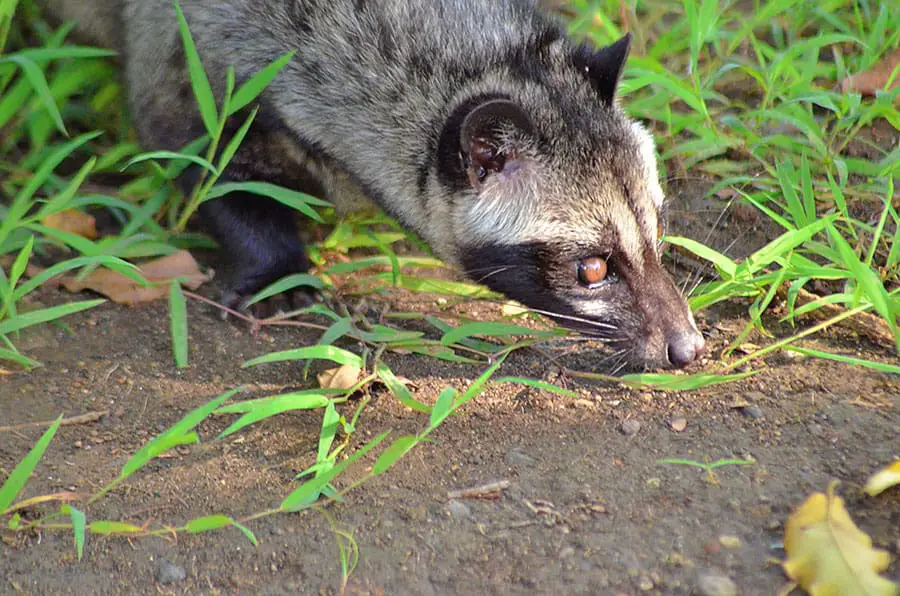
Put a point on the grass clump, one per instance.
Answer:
(743, 99)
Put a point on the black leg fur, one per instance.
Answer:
(259, 238)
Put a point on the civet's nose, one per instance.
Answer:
(684, 347)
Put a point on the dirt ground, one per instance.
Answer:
(589, 508)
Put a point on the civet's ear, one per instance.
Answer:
(487, 138)
(603, 67)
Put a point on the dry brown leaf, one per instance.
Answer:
(343, 377)
(876, 78)
(74, 222)
(827, 555)
(884, 479)
(123, 290)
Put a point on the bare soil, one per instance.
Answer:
(589, 508)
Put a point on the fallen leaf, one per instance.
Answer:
(876, 78)
(343, 377)
(884, 479)
(123, 290)
(513, 309)
(74, 222)
(827, 555)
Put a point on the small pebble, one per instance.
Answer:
(653, 483)
(566, 552)
(458, 509)
(630, 427)
(752, 412)
(712, 583)
(678, 422)
(731, 542)
(646, 584)
(169, 573)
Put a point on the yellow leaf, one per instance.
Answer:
(886, 478)
(828, 555)
(343, 377)
(513, 309)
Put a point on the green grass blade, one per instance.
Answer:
(36, 317)
(17, 480)
(206, 102)
(63, 199)
(309, 491)
(331, 353)
(296, 200)
(286, 284)
(242, 407)
(174, 156)
(19, 265)
(79, 526)
(489, 329)
(178, 325)
(868, 281)
(257, 83)
(330, 422)
(112, 263)
(726, 266)
(338, 329)
(537, 384)
(23, 361)
(207, 523)
(785, 243)
(389, 456)
(681, 382)
(246, 532)
(398, 389)
(475, 388)
(879, 366)
(277, 405)
(442, 407)
(178, 434)
(35, 76)
(108, 528)
(48, 165)
(236, 141)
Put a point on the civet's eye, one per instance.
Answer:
(592, 271)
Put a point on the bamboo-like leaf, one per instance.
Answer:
(310, 490)
(178, 324)
(392, 454)
(398, 389)
(257, 84)
(17, 480)
(178, 434)
(492, 330)
(310, 353)
(206, 102)
(36, 317)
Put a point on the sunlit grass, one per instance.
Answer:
(746, 100)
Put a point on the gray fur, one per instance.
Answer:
(363, 109)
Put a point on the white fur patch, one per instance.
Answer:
(648, 159)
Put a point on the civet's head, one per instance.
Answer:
(557, 199)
